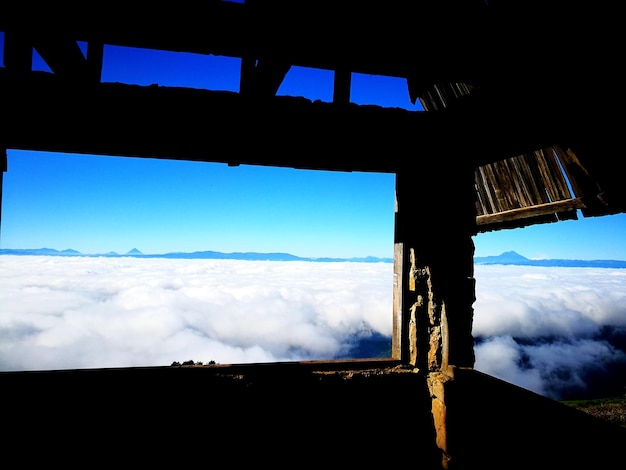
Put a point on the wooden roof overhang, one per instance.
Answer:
(46, 113)
(505, 102)
(544, 185)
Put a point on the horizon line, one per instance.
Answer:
(137, 252)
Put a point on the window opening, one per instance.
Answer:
(39, 65)
(344, 313)
(308, 82)
(135, 66)
(548, 314)
(211, 263)
(390, 92)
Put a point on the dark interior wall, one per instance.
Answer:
(287, 415)
(265, 416)
(500, 425)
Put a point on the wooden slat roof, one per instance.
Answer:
(546, 185)
(526, 189)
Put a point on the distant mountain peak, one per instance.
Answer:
(513, 258)
(511, 255)
(508, 257)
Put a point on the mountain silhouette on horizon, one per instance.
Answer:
(506, 258)
(246, 256)
(514, 258)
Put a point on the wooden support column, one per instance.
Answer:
(402, 299)
(433, 280)
(95, 55)
(341, 86)
(435, 222)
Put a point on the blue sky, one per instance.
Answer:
(98, 204)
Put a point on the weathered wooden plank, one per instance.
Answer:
(520, 182)
(576, 173)
(528, 212)
(440, 95)
(484, 202)
(492, 188)
(397, 340)
(504, 187)
(517, 190)
(534, 183)
(557, 186)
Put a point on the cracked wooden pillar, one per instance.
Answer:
(434, 266)
(434, 288)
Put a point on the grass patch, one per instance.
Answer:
(612, 410)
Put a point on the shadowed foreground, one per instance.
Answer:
(291, 414)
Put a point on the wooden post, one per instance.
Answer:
(95, 54)
(341, 87)
(433, 280)
(434, 266)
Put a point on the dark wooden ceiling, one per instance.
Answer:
(503, 79)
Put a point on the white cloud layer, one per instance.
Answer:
(80, 312)
(545, 329)
(541, 328)
(541, 301)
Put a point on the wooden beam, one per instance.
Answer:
(341, 86)
(532, 211)
(45, 113)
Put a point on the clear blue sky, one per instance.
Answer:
(97, 204)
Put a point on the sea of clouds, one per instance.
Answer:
(560, 332)
(82, 312)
